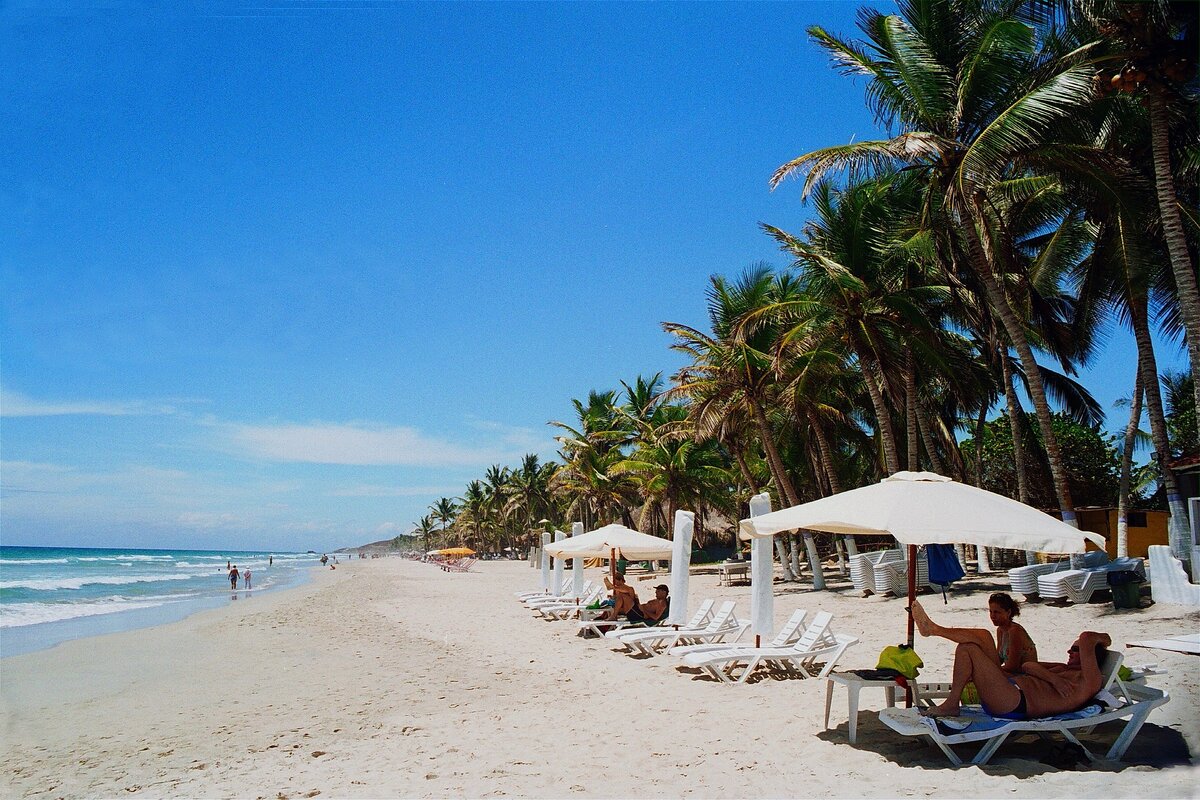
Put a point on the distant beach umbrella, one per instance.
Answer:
(681, 561)
(545, 563)
(762, 575)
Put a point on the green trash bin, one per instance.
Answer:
(1126, 586)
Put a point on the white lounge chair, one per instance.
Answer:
(698, 621)
(1134, 703)
(892, 576)
(572, 607)
(862, 567)
(787, 636)
(816, 642)
(1078, 585)
(723, 625)
(1024, 579)
(563, 588)
(535, 602)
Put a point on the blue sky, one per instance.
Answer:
(279, 275)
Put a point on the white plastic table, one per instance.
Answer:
(729, 569)
(854, 684)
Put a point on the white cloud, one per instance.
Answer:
(15, 404)
(373, 490)
(211, 520)
(358, 444)
(525, 439)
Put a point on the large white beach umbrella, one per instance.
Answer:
(926, 508)
(557, 580)
(681, 561)
(577, 564)
(612, 541)
(762, 575)
(546, 563)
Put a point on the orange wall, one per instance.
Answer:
(1104, 522)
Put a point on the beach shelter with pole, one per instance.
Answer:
(762, 575)
(612, 542)
(681, 559)
(919, 508)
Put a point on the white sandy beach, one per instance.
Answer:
(389, 678)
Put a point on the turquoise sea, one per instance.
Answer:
(51, 594)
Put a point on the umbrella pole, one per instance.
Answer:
(912, 597)
(912, 588)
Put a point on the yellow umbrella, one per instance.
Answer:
(457, 551)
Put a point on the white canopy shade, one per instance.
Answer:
(600, 543)
(927, 508)
(546, 564)
(681, 545)
(762, 573)
(556, 568)
(577, 581)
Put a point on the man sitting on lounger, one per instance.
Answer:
(1043, 690)
(624, 599)
(652, 611)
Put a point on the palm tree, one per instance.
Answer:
(474, 507)
(731, 372)
(425, 529)
(967, 87)
(444, 511)
(1154, 60)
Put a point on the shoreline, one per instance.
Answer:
(391, 678)
(22, 639)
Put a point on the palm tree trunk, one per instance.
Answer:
(787, 493)
(1178, 534)
(1017, 430)
(1135, 418)
(1173, 232)
(931, 450)
(1018, 433)
(887, 433)
(998, 299)
(979, 423)
(830, 470)
(910, 411)
(744, 468)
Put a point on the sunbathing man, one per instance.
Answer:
(652, 611)
(1045, 688)
(624, 598)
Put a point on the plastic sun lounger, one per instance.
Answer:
(1078, 585)
(863, 566)
(892, 576)
(817, 641)
(722, 625)
(563, 589)
(567, 597)
(1135, 703)
(1024, 580)
(567, 609)
(698, 621)
(787, 636)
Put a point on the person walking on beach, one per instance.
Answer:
(246, 579)
(233, 577)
